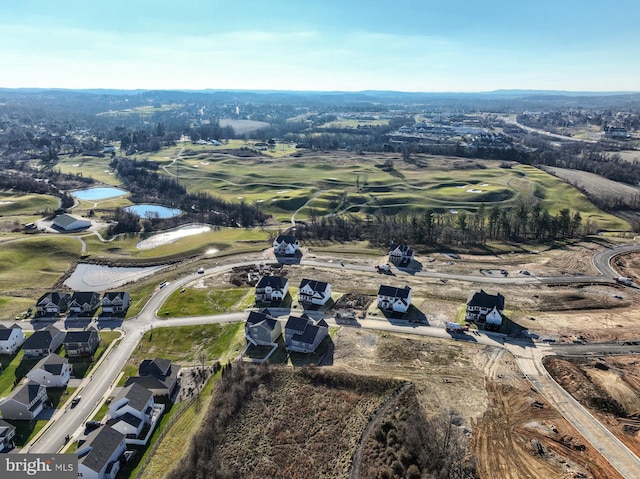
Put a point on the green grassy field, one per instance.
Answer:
(204, 301)
(30, 206)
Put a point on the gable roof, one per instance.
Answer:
(392, 291)
(276, 282)
(137, 396)
(52, 363)
(80, 336)
(103, 442)
(403, 248)
(66, 219)
(158, 368)
(296, 324)
(256, 318)
(5, 429)
(317, 286)
(52, 297)
(482, 299)
(26, 393)
(113, 295)
(41, 339)
(5, 333)
(85, 297)
(289, 239)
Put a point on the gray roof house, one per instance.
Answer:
(160, 376)
(11, 338)
(115, 302)
(7, 433)
(84, 302)
(25, 402)
(285, 245)
(52, 303)
(99, 456)
(262, 329)
(303, 334)
(272, 288)
(132, 410)
(394, 299)
(43, 342)
(81, 343)
(314, 292)
(52, 371)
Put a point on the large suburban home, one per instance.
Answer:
(285, 245)
(303, 334)
(7, 434)
(25, 402)
(400, 254)
(271, 288)
(81, 343)
(394, 299)
(160, 376)
(52, 371)
(485, 308)
(132, 410)
(52, 304)
(116, 302)
(83, 302)
(11, 339)
(43, 342)
(99, 455)
(261, 329)
(67, 222)
(314, 292)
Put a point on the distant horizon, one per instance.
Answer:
(335, 45)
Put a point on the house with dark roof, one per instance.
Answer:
(314, 292)
(160, 376)
(271, 288)
(131, 411)
(392, 299)
(303, 334)
(11, 338)
(83, 302)
(67, 222)
(81, 343)
(52, 304)
(115, 302)
(285, 245)
(7, 435)
(400, 254)
(52, 371)
(99, 456)
(43, 342)
(261, 329)
(25, 402)
(485, 308)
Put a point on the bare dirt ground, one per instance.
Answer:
(593, 184)
(609, 387)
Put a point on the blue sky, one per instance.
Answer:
(352, 45)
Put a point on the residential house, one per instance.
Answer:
(25, 402)
(52, 304)
(43, 342)
(303, 334)
(314, 292)
(81, 343)
(485, 308)
(392, 299)
(83, 302)
(52, 371)
(7, 434)
(67, 222)
(285, 245)
(116, 302)
(99, 456)
(262, 329)
(11, 339)
(132, 410)
(271, 288)
(160, 376)
(400, 254)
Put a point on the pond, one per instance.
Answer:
(148, 211)
(92, 194)
(172, 236)
(93, 277)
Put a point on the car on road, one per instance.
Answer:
(200, 270)
(75, 401)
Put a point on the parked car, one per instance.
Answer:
(75, 401)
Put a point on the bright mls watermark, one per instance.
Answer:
(45, 466)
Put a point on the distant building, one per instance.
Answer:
(616, 132)
(67, 222)
(285, 245)
(485, 308)
(400, 254)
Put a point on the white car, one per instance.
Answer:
(201, 271)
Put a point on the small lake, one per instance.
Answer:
(172, 236)
(93, 194)
(147, 211)
(93, 277)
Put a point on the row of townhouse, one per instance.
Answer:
(82, 302)
(301, 333)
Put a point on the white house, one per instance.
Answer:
(272, 288)
(67, 222)
(25, 402)
(400, 254)
(285, 245)
(7, 435)
(394, 299)
(303, 334)
(52, 371)
(131, 410)
(314, 292)
(485, 308)
(99, 456)
(11, 339)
